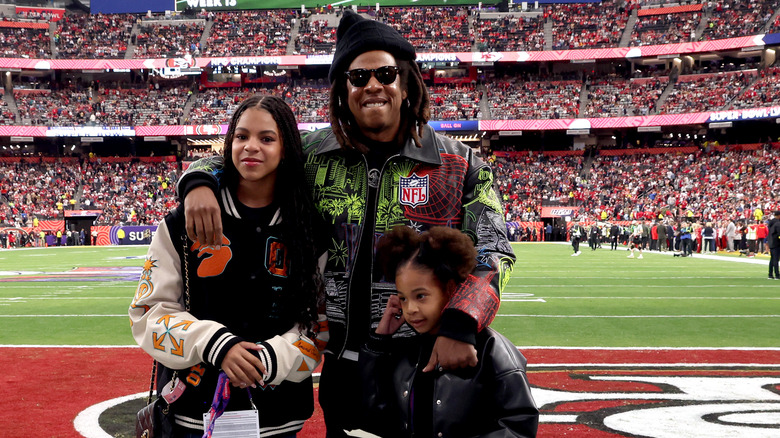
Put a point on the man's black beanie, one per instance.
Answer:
(357, 35)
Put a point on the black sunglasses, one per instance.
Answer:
(359, 77)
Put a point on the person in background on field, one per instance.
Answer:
(576, 233)
(493, 399)
(686, 241)
(761, 232)
(593, 236)
(614, 235)
(708, 239)
(246, 313)
(731, 233)
(773, 242)
(380, 165)
(636, 240)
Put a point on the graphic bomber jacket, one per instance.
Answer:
(441, 184)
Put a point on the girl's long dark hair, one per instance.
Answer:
(292, 196)
(415, 111)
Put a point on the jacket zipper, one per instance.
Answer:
(359, 242)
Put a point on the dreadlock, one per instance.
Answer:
(294, 200)
(415, 113)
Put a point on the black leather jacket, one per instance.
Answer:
(492, 399)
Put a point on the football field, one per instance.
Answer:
(80, 295)
(656, 347)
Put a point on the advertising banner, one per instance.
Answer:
(134, 234)
(133, 7)
(559, 211)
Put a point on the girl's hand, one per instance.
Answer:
(393, 318)
(242, 366)
(203, 220)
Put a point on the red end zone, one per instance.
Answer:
(588, 393)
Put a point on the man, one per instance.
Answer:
(731, 232)
(379, 166)
(773, 242)
(614, 234)
(593, 236)
(576, 233)
(661, 230)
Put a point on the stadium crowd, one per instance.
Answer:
(516, 98)
(612, 96)
(128, 192)
(764, 92)
(93, 36)
(733, 18)
(708, 184)
(510, 33)
(315, 37)
(429, 29)
(250, 33)
(666, 28)
(176, 39)
(707, 92)
(580, 25)
(36, 190)
(22, 42)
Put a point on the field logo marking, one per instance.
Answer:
(692, 403)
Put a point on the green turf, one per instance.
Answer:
(599, 299)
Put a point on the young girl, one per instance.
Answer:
(248, 307)
(402, 399)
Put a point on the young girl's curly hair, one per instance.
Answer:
(448, 252)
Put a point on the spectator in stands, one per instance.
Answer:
(380, 106)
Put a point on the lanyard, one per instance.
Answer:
(220, 402)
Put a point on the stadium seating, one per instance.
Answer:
(93, 36)
(577, 26)
(250, 33)
(441, 29)
(514, 98)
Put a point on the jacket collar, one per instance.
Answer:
(428, 153)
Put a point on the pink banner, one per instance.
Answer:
(296, 60)
(669, 10)
(593, 123)
(23, 131)
(23, 25)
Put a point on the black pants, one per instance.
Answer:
(685, 245)
(774, 258)
(340, 396)
(614, 243)
(575, 243)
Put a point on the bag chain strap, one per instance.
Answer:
(186, 307)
